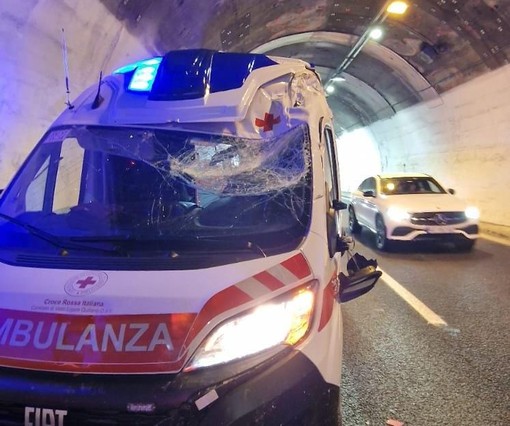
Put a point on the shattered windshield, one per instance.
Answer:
(153, 188)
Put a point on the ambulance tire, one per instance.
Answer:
(354, 226)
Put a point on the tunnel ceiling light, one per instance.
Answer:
(393, 7)
(376, 33)
(338, 79)
(397, 7)
(330, 88)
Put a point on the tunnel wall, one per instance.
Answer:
(32, 83)
(463, 139)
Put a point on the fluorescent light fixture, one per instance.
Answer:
(376, 33)
(397, 7)
(339, 79)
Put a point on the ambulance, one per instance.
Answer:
(171, 252)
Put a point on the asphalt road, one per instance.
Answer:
(400, 369)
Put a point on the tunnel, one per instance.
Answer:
(429, 96)
(429, 93)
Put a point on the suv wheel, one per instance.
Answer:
(354, 226)
(381, 241)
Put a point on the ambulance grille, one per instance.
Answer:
(120, 263)
(11, 416)
(14, 416)
(188, 262)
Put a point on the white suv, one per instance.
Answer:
(412, 207)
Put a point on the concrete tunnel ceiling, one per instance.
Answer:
(436, 46)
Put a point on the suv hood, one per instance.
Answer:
(425, 202)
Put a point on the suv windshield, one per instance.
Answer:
(410, 185)
(134, 190)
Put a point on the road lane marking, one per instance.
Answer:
(428, 314)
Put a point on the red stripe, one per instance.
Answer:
(328, 300)
(269, 281)
(298, 266)
(93, 343)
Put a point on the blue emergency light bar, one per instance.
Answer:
(191, 74)
(144, 74)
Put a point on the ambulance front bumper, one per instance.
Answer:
(285, 390)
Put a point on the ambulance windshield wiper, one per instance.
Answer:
(233, 243)
(50, 238)
(175, 243)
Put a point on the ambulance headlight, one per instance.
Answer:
(284, 321)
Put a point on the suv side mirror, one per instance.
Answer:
(451, 191)
(369, 193)
(362, 274)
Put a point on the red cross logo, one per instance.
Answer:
(268, 122)
(87, 281)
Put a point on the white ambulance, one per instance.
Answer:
(170, 252)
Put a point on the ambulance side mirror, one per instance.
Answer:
(339, 205)
(362, 275)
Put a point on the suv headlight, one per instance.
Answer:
(472, 213)
(398, 214)
(284, 321)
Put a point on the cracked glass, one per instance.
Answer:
(147, 189)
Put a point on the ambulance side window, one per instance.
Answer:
(332, 189)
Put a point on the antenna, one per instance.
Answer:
(98, 99)
(66, 70)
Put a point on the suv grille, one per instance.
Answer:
(438, 218)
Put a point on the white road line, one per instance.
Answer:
(430, 316)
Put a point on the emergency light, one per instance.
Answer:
(192, 74)
(144, 74)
